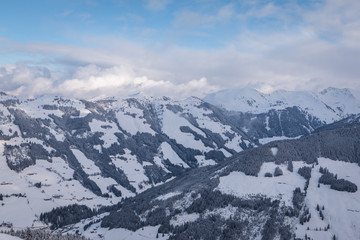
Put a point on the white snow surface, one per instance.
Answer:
(341, 209)
(107, 128)
(168, 195)
(274, 150)
(328, 105)
(58, 188)
(4, 236)
(281, 187)
(170, 154)
(276, 138)
(341, 100)
(87, 165)
(133, 169)
(95, 232)
(183, 218)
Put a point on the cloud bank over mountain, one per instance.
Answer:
(168, 47)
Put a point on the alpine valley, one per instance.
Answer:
(238, 164)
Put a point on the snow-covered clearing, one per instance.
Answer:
(95, 232)
(132, 168)
(341, 209)
(87, 165)
(168, 195)
(131, 119)
(170, 154)
(281, 187)
(107, 128)
(275, 138)
(57, 189)
(4, 236)
(171, 124)
(184, 218)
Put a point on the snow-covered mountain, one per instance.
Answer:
(56, 152)
(291, 189)
(329, 105)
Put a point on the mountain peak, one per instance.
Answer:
(238, 99)
(328, 105)
(337, 91)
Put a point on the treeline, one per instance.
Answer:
(39, 234)
(135, 214)
(61, 216)
(331, 179)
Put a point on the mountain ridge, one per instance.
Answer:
(57, 151)
(328, 105)
(208, 197)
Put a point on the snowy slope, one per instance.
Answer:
(328, 105)
(235, 200)
(8, 237)
(242, 100)
(340, 208)
(341, 100)
(57, 151)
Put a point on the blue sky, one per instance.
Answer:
(194, 24)
(91, 48)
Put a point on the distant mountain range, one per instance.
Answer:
(328, 105)
(57, 152)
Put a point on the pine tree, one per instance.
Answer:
(290, 166)
(278, 172)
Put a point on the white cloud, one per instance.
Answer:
(296, 58)
(23, 80)
(94, 81)
(338, 21)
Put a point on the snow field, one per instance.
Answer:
(171, 123)
(183, 218)
(57, 189)
(167, 196)
(110, 128)
(281, 187)
(131, 119)
(170, 154)
(204, 162)
(4, 236)
(133, 170)
(342, 209)
(341, 101)
(87, 165)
